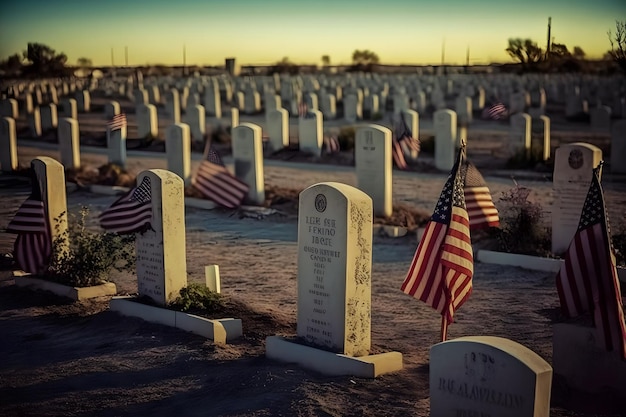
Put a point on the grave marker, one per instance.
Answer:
(445, 139)
(147, 122)
(310, 133)
(8, 144)
(69, 142)
(248, 159)
(178, 150)
(278, 129)
(373, 163)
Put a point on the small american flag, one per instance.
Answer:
(442, 268)
(33, 245)
(216, 183)
(398, 155)
(587, 280)
(331, 144)
(496, 111)
(405, 137)
(117, 122)
(480, 208)
(131, 213)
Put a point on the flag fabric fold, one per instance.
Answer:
(33, 245)
(331, 144)
(405, 137)
(480, 208)
(216, 183)
(131, 213)
(117, 122)
(443, 265)
(587, 280)
(496, 111)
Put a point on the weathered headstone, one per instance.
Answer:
(373, 163)
(278, 129)
(69, 142)
(161, 250)
(310, 133)
(445, 138)
(147, 121)
(247, 145)
(573, 170)
(178, 150)
(488, 376)
(618, 147)
(8, 144)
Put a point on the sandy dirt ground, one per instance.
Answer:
(62, 358)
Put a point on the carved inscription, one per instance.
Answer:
(150, 267)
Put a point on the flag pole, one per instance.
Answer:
(444, 328)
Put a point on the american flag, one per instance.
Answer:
(406, 138)
(131, 213)
(398, 155)
(442, 268)
(216, 183)
(496, 111)
(117, 122)
(33, 245)
(480, 208)
(331, 144)
(587, 280)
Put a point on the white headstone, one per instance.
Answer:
(519, 135)
(373, 163)
(178, 150)
(573, 171)
(172, 105)
(69, 142)
(278, 129)
(488, 376)
(34, 122)
(212, 102)
(334, 268)
(247, 145)
(463, 107)
(161, 250)
(112, 108)
(543, 123)
(234, 118)
(83, 101)
(352, 108)
(141, 97)
(116, 146)
(311, 133)
(147, 121)
(8, 144)
(328, 106)
(51, 177)
(195, 117)
(445, 139)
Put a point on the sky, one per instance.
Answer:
(258, 32)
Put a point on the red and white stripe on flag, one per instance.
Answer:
(303, 109)
(131, 213)
(117, 122)
(331, 144)
(398, 155)
(216, 183)
(587, 280)
(33, 246)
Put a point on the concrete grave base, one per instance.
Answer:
(580, 358)
(75, 293)
(219, 330)
(330, 363)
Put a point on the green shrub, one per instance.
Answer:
(89, 256)
(197, 297)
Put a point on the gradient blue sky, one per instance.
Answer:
(265, 31)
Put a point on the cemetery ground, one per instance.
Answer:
(80, 359)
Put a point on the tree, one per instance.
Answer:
(527, 52)
(618, 44)
(559, 50)
(365, 57)
(12, 65)
(326, 60)
(44, 60)
(578, 53)
(84, 62)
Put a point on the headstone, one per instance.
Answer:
(8, 144)
(618, 147)
(116, 146)
(178, 150)
(600, 118)
(212, 102)
(488, 376)
(83, 101)
(247, 145)
(147, 121)
(373, 163)
(445, 138)
(543, 124)
(328, 106)
(140, 97)
(28, 103)
(161, 250)
(69, 108)
(9, 108)
(154, 94)
(517, 102)
(252, 102)
(49, 119)
(519, 135)
(278, 129)
(463, 107)
(69, 142)
(51, 178)
(573, 170)
(272, 102)
(311, 101)
(212, 278)
(34, 123)
(112, 108)
(310, 133)
(334, 268)
(54, 97)
(371, 106)
(234, 118)
(352, 109)
(172, 105)
(195, 117)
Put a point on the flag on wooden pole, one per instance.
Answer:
(587, 280)
(480, 208)
(131, 213)
(216, 183)
(443, 265)
(33, 245)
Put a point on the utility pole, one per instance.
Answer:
(126, 55)
(467, 55)
(112, 60)
(184, 60)
(548, 43)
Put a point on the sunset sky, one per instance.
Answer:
(265, 31)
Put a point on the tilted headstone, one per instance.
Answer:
(147, 121)
(334, 268)
(8, 144)
(310, 133)
(445, 138)
(161, 250)
(373, 164)
(178, 150)
(488, 376)
(618, 147)
(69, 142)
(247, 145)
(278, 129)
(573, 170)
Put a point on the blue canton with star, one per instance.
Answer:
(593, 209)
